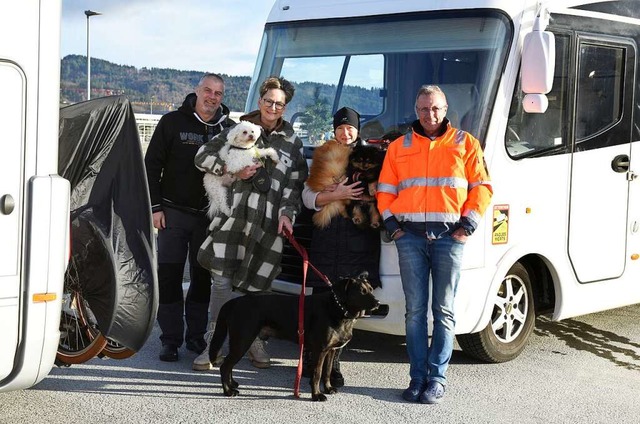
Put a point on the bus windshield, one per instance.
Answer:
(377, 64)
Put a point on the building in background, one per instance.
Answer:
(147, 125)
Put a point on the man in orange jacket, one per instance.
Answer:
(432, 192)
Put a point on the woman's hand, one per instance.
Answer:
(284, 223)
(344, 191)
(339, 191)
(247, 172)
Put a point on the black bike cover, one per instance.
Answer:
(100, 154)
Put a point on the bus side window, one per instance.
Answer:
(600, 81)
(531, 133)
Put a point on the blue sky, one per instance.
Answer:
(220, 36)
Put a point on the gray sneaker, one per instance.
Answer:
(258, 354)
(434, 393)
(201, 363)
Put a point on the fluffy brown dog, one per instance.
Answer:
(329, 167)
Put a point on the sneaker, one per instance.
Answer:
(413, 392)
(258, 355)
(434, 393)
(201, 363)
(169, 353)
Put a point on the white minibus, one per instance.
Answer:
(550, 88)
(34, 200)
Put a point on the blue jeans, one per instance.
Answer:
(441, 258)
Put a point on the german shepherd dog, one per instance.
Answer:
(328, 324)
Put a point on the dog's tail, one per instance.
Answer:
(322, 218)
(219, 334)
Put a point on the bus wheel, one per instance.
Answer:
(512, 321)
(115, 350)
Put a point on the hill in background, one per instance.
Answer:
(160, 90)
(166, 88)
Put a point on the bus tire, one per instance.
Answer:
(512, 321)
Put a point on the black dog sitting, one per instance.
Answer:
(365, 164)
(328, 324)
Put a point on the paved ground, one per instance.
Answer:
(582, 370)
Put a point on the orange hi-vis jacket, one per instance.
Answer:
(434, 182)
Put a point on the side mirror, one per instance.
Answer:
(538, 64)
(535, 103)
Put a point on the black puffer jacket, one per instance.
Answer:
(343, 250)
(174, 180)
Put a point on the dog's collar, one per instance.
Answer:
(241, 148)
(346, 313)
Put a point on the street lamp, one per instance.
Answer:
(89, 14)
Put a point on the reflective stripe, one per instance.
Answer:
(473, 216)
(476, 184)
(407, 139)
(460, 137)
(386, 214)
(387, 188)
(428, 217)
(452, 182)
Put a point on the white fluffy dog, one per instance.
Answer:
(238, 152)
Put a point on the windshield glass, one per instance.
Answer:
(377, 64)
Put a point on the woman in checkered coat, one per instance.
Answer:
(244, 250)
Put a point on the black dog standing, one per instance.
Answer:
(328, 325)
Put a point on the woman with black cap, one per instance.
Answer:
(341, 249)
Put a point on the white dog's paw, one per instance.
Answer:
(269, 152)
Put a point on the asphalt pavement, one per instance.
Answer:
(581, 370)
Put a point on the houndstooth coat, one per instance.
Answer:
(245, 246)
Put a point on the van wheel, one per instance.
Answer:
(512, 321)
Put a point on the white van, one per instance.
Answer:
(34, 200)
(560, 126)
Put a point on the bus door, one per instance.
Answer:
(599, 200)
(12, 109)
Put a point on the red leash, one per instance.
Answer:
(305, 266)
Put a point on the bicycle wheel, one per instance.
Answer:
(115, 350)
(90, 268)
(80, 338)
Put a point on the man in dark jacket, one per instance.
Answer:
(179, 207)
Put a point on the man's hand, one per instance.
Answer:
(460, 235)
(158, 220)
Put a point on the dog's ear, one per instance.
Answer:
(364, 275)
(233, 132)
(342, 284)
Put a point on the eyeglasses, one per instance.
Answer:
(269, 103)
(434, 109)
